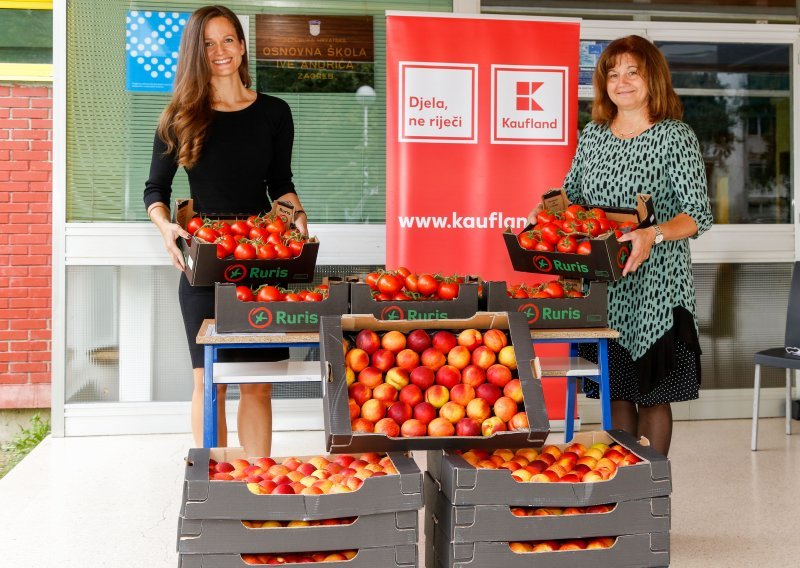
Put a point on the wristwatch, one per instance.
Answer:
(659, 235)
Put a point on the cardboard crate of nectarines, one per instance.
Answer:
(227, 536)
(216, 486)
(607, 256)
(475, 479)
(403, 556)
(641, 550)
(590, 310)
(474, 523)
(464, 305)
(232, 315)
(204, 268)
(430, 384)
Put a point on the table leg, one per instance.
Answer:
(569, 411)
(605, 388)
(209, 400)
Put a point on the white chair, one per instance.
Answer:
(779, 357)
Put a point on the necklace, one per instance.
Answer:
(624, 134)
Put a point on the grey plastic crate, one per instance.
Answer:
(463, 484)
(339, 436)
(629, 551)
(404, 556)
(222, 536)
(206, 499)
(475, 523)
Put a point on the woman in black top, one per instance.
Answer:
(236, 147)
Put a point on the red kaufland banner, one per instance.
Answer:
(481, 121)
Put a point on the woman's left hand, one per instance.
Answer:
(642, 241)
(301, 217)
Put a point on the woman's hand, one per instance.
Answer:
(300, 218)
(642, 241)
(170, 232)
(532, 215)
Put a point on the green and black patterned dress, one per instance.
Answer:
(657, 356)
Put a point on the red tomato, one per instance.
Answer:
(572, 226)
(573, 293)
(526, 240)
(194, 224)
(283, 251)
(520, 293)
(427, 285)
(584, 247)
(244, 294)
(266, 252)
(293, 297)
(401, 297)
(574, 212)
(222, 227)
(372, 280)
(296, 246)
(545, 216)
(543, 246)
(597, 213)
(447, 290)
(592, 227)
(390, 284)
(402, 271)
(222, 252)
(553, 289)
(411, 282)
(312, 296)
(269, 294)
(626, 226)
(550, 233)
(258, 233)
(567, 245)
(244, 251)
(276, 225)
(240, 228)
(228, 243)
(604, 224)
(254, 221)
(207, 234)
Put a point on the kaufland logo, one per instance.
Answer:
(529, 105)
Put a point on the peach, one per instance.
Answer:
(547, 546)
(468, 427)
(488, 392)
(224, 467)
(595, 453)
(605, 463)
(459, 357)
(399, 412)
(278, 469)
(387, 426)
(513, 390)
(470, 338)
(349, 376)
(311, 491)
(307, 468)
(339, 488)
(264, 463)
(383, 360)
(504, 453)
(333, 467)
(344, 460)
(612, 455)
(577, 448)
(510, 466)
(479, 409)
(413, 429)
(240, 464)
(452, 412)
(522, 474)
(321, 474)
(529, 454)
(308, 480)
(367, 340)
(462, 394)
(334, 557)
(440, 427)
(362, 425)
(492, 425)
(507, 357)
(385, 392)
(283, 489)
(570, 477)
(495, 339)
(291, 463)
(397, 377)
(592, 477)
(600, 542)
(357, 359)
(520, 547)
(486, 464)
(519, 421)
(497, 374)
(437, 395)
(630, 459)
(483, 357)
(443, 341)
(423, 377)
(473, 376)
(432, 358)
(373, 410)
(553, 450)
(267, 485)
(448, 376)
(407, 359)
(394, 341)
(370, 376)
(222, 476)
(411, 394)
(424, 412)
(360, 393)
(418, 340)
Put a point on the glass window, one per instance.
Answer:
(26, 36)
(737, 98)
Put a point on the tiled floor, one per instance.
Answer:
(113, 501)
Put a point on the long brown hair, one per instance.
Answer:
(663, 102)
(184, 122)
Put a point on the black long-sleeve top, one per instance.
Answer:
(245, 162)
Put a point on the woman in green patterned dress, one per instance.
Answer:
(636, 143)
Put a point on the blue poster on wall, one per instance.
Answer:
(151, 49)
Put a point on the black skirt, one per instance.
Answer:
(197, 304)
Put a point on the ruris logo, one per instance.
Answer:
(235, 273)
(529, 105)
(542, 264)
(393, 313)
(530, 311)
(259, 318)
(622, 256)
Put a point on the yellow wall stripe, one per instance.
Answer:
(26, 4)
(26, 72)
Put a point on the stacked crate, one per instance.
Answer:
(380, 519)
(470, 515)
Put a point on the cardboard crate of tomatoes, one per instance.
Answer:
(404, 295)
(578, 241)
(411, 385)
(269, 308)
(552, 305)
(259, 248)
